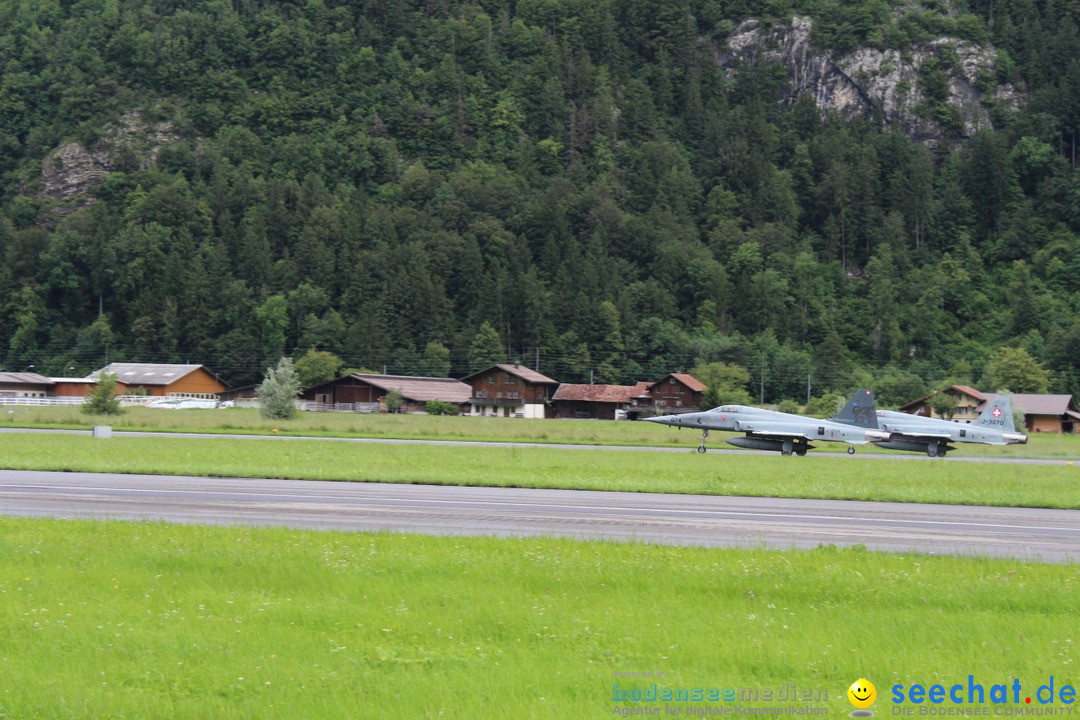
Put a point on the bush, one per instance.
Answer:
(102, 399)
(826, 405)
(278, 391)
(439, 407)
(788, 406)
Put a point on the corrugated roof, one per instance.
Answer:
(420, 389)
(1033, 404)
(145, 373)
(597, 393)
(24, 378)
(526, 374)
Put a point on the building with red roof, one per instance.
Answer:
(601, 402)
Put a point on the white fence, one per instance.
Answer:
(42, 401)
(337, 407)
(124, 399)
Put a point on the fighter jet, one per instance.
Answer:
(784, 432)
(932, 436)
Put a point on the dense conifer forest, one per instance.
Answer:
(426, 186)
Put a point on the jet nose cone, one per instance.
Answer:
(660, 419)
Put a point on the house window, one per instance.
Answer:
(501, 394)
(490, 379)
(481, 393)
(515, 394)
(678, 403)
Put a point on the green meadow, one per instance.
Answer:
(134, 620)
(839, 477)
(425, 427)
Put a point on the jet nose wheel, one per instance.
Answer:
(851, 450)
(701, 448)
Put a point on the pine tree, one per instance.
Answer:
(278, 391)
(102, 399)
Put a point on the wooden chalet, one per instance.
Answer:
(968, 400)
(677, 393)
(364, 391)
(509, 390)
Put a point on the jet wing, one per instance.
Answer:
(921, 431)
(779, 433)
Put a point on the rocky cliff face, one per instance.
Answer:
(940, 89)
(72, 170)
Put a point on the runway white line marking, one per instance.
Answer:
(787, 516)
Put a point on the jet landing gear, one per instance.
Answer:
(850, 449)
(790, 446)
(935, 450)
(701, 447)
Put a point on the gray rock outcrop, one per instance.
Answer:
(870, 80)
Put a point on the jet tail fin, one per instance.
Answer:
(998, 415)
(860, 411)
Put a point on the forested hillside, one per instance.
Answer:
(590, 183)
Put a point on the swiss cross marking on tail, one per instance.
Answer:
(996, 412)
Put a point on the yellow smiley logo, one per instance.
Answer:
(862, 693)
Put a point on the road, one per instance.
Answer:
(1047, 535)
(716, 446)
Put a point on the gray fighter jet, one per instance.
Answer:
(932, 436)
(784, 432)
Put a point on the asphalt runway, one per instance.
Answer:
(716, 446)
(1029, 534)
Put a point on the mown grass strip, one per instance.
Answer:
(840, 477)
(423, 427)
(108, 619)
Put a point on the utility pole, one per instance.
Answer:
(807, 387)
(537, 368)
(761, 401)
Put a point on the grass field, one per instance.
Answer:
(582, 432)
(136, 620)
(838, 477)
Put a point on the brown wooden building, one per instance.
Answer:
(24, 385)
(1047, 413)
(509, 390)
(600, 402)
(161, 379)
(369, 389)
(677, 393)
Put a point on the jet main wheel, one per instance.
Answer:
(851, 450)
(932, 450)
(701, 448)
(801, 451)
